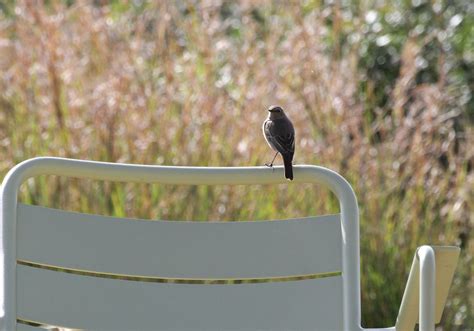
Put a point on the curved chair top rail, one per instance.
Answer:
(172, 174)
(185, 176)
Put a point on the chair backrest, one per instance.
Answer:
(95, 272)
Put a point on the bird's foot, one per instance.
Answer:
(270, 165)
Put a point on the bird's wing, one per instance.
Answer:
(287, 142)
(281, 141)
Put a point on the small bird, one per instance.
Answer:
(280, 135)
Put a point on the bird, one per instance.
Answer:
(280, 136)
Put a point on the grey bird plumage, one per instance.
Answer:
(280, 135)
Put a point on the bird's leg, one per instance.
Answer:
(270, 165)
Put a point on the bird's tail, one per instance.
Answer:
(288, 167)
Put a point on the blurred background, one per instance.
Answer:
(379, 91)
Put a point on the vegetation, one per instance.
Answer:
(380, 92)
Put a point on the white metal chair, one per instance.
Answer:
(60, 267)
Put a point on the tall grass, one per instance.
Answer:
(188, 84)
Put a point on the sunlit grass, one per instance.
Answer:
(189, 84)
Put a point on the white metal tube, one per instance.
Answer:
(427, 288)
(180, 175)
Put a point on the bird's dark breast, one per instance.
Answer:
(282, 126)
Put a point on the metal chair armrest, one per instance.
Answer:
(427, 287)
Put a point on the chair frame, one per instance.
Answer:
(205, 176)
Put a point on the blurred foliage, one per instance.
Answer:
(378, 91)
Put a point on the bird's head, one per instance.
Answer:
(275, 109)
(276, 112)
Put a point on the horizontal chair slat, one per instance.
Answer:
(179, 249)
(26, 327)
(107, 304)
